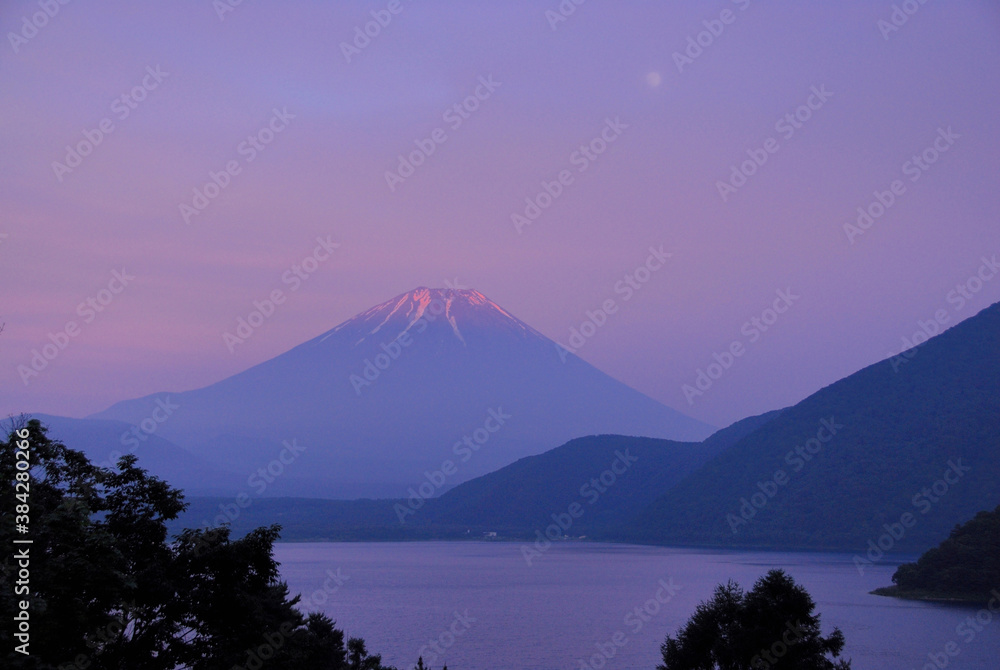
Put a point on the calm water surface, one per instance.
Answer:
(577, 598)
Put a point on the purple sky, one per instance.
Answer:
(656, 183)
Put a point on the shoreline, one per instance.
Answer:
(923, 595)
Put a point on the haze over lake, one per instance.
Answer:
(556, 613)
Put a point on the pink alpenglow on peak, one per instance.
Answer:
(414, 311)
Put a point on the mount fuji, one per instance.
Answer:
(431, 388)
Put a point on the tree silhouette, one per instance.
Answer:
(966, 565)
(772, 626)
(109, 590)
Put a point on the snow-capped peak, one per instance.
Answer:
(459, 308)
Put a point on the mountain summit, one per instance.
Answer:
(428, 389)
(477, 313)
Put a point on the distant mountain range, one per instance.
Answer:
(511, 502)
(889, 459)
(431, 381)
(612, 477)
(106, 440)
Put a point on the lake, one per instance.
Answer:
(485, 608)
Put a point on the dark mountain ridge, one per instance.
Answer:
(842, 467)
